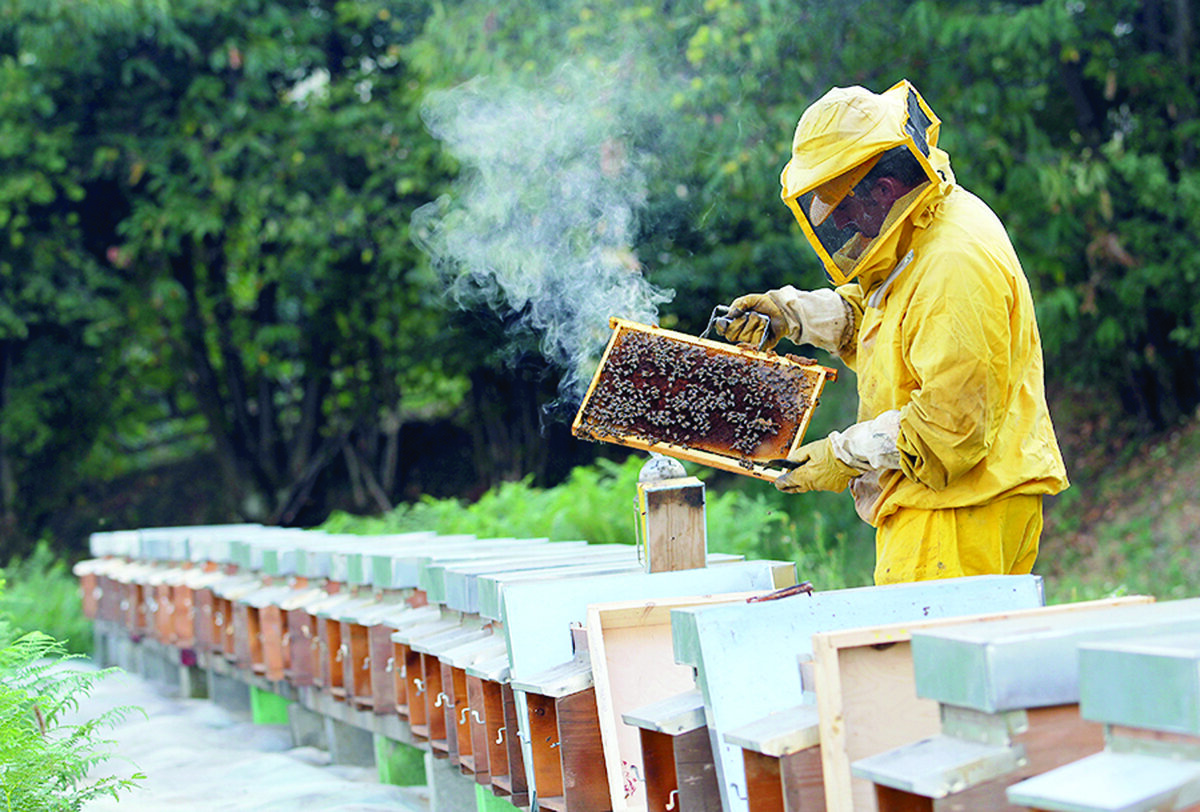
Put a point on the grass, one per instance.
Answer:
(1131, 519)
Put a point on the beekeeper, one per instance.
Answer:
(953, 449)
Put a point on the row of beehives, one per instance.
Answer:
(468, 642)
(631, 690)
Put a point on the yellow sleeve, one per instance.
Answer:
(957, 339)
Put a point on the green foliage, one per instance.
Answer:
(597, 503)
(206, 210)
(47, 762)
(1074, 121)
(42, 593)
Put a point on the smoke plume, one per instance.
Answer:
(542, 219)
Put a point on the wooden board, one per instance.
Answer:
(633, 664)
(866, 695)
(675, 534)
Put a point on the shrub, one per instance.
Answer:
(43, 594)
(597, 503)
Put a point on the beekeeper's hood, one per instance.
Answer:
(861, 163)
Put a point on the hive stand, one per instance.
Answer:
(675, 757)
(1146, 692)
(746, 655)
(1008, 692)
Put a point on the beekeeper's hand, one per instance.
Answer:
(831, 464)
(817, 469)
(745, 322)
(821, 318)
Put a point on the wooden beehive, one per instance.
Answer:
(721, 405)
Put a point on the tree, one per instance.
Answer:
(54, 306)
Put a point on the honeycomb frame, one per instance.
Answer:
(721, 405)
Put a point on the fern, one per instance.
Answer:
(45, 763)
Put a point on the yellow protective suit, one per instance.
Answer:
(945, 333)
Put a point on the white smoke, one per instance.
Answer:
(543, 216)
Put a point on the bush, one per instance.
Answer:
(597, 503)
(43, 594)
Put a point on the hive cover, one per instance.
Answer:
(721, 405)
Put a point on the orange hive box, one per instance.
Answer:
(721, 405)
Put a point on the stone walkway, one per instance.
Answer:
(198, 757)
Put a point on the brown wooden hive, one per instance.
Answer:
(720, 405)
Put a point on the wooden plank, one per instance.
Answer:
(894, 800)
(89, 588)
(695, 772)
(584, 780)
(301, 662)
(676, 538)
(544, 746)
(272, 622)
(803, 789)
(356, 675)
(517, 780)
(416, 689)
(182, 616)
(764, 786)
(450, 713)
(867, 699)
(434, 697)
(253, 653)
(493, 727)
(476, 717)
(329, 636)
(659, 779)
(383, 668)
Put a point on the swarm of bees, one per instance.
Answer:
(687, 394)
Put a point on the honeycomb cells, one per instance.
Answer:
(667, 391)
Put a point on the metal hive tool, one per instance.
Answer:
(725, 406)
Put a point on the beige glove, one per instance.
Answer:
(821, 318)
(743, 325)
(843, 457)
(870, 444)
(817, 469)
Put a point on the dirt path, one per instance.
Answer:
(197, 756)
